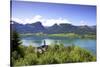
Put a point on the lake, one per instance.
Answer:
(89, 44)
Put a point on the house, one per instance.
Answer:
(42, 48)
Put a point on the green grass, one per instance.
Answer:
(69, 35)
(55, 54)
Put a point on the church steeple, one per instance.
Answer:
(44, 42)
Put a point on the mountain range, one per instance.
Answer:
(37, 27)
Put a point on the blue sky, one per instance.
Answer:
(51, 13)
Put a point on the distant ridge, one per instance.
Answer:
(37, 27)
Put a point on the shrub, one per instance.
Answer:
(80, 55)
(55, 54)
(30, 49)
(29, 59)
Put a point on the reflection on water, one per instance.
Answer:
(40, 42)
(89, 44)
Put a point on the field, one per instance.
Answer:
(69, 35)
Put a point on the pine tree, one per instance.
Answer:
(15, 41)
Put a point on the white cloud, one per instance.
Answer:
(37, 17)
(45, 22)
(50, 22)
(82, 22)
(17, 20)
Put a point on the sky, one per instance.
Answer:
(51, 13)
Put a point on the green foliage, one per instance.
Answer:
(15, 41)
(16, 52)
(30, 49)
(21, 50)
(55, 54)
(29, 56)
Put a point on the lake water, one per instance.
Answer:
(89, 44)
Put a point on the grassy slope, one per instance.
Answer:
(55, 54)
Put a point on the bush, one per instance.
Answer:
(55, 54)
(80, 55)
(30, 49)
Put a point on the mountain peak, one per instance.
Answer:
(37, 23)
(55, 24)
(13, 22)
(65, 24)
(61, 28)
